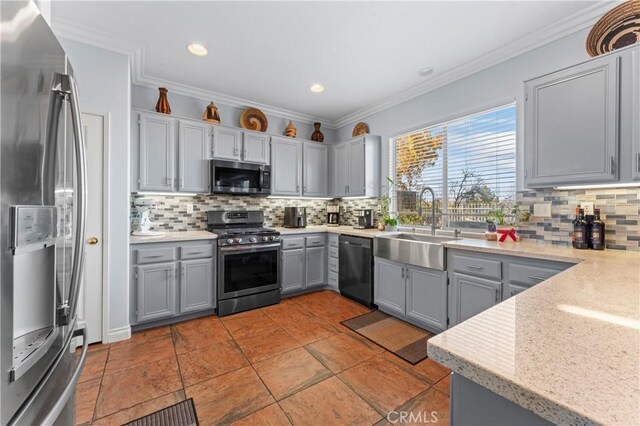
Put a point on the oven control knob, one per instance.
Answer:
(238, 240)
(276, 238)
(252, 240)
(230, 241)
(265, 238)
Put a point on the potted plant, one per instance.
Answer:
(386, 220)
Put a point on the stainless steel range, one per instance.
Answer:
(248, 260)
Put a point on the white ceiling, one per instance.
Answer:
(270, 53)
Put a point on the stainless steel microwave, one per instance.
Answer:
(229, 177)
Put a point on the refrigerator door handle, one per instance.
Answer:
(67, 86)
(68, 391)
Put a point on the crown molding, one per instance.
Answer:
(546, 35)
(140, 77)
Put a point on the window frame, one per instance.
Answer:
(445, 184)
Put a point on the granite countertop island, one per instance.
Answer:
(567, 349)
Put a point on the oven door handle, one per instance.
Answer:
(249, 248)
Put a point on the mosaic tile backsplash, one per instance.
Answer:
(171, 214)
(619, 210)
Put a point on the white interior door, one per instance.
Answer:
(90, 300)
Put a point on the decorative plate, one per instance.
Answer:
(360, 129)
(254, 119)
(620, 27)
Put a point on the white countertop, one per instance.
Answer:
(173, 236)
(567, 349)
(346, 230)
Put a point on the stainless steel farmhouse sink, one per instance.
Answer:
(413, 249)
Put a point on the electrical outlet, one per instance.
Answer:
(542, 210)
(189, 208)
(587, 206)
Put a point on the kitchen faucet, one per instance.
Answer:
(433, 207)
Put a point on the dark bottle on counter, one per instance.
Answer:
(580, 231)
(596, 232)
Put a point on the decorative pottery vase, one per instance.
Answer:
(211, 114)
(380, 226)
(163, 103)
(290, 131)
(317, 135)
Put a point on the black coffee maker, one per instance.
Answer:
(365, 219)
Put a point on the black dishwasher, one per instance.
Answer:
(356, 268)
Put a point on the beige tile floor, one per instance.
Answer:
(292, 363)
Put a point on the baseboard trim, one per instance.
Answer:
(117, 334)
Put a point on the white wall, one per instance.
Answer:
(499, 84)
(145, 98)
(104, 86)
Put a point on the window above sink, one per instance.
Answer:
(470, 163)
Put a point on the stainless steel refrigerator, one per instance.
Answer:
(42, 215)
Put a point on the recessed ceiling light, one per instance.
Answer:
(426, 71)
(197, 49)
(317, 88)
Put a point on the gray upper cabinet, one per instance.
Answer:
(340, 170)
(293, 270)
(473, 295)
(571, 125)
(193, 150)
(156, 290)
(389, 291)
(316, 266)
(286, 167)
(227, 143)
(196, 285)
(255, 148)
(156, 153)
(356, 167)
(315, 168)
(427, 296)
(635, 113)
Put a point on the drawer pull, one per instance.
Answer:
(533, 277)
(195, 252)
(153, 257)
(475, 268)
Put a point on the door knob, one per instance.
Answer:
(92, 241)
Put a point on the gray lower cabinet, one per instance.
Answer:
(293, 273)
(315, 265)
(304, 262)
(473, 295)
(412, 293)
(478, 281)
(196, 291)
(389, 286)
(156, 291)
(426, 299)
(172, 279)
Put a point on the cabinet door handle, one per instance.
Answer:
(533, 277)
(638, 162)
(513, 292)
(475, 268)
(497, 294)
(402, 272)
(613, 165)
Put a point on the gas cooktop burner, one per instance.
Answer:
(240, 228)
